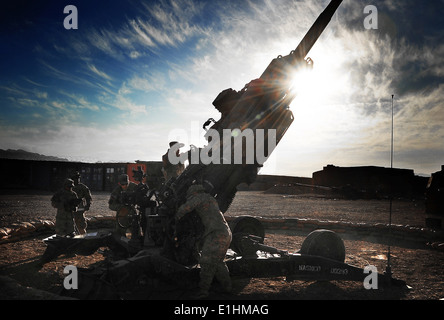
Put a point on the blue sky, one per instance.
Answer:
(137, 74)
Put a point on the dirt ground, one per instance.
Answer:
(419, 265)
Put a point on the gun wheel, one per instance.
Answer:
(123, 217)
(243, 226)
(247, 225)
(324, 243)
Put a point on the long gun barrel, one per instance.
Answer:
(316, 29)
(280, 64)
(262, 107)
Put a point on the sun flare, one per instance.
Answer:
(324, 84)
(319, 89)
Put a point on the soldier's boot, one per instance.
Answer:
(223, 277)
(207, 272)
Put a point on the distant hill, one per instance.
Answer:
(25, 155)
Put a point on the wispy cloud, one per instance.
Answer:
(167, 23)
(13, 89)
(99, 73)
(79, 102)
(23, 96)
(148, 82)
(124, 103)
(160, 66)
(69, 76)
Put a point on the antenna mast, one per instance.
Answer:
(388, 269)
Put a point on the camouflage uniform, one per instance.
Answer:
(116, 201)
(215, 240)
(63, 201)
(171, 170)
(83, 193)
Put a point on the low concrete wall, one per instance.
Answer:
(22, 230)
(377, 230)
(363, 230)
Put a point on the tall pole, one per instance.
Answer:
(391, 149)
(388, 269)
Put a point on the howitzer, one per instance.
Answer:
(169, 251)
(262, 106)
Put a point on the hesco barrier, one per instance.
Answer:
(22, 230)
(361, 229)
(382, 231)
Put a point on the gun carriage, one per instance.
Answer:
(162, 248)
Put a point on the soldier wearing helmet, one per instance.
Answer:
(65, 201)
(118, 199)
(172, 170)
(215, 240)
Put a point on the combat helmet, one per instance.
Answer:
(123, 179)
(68, 183)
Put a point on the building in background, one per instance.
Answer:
(49, 175)
(372, 182)
(355, 182)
